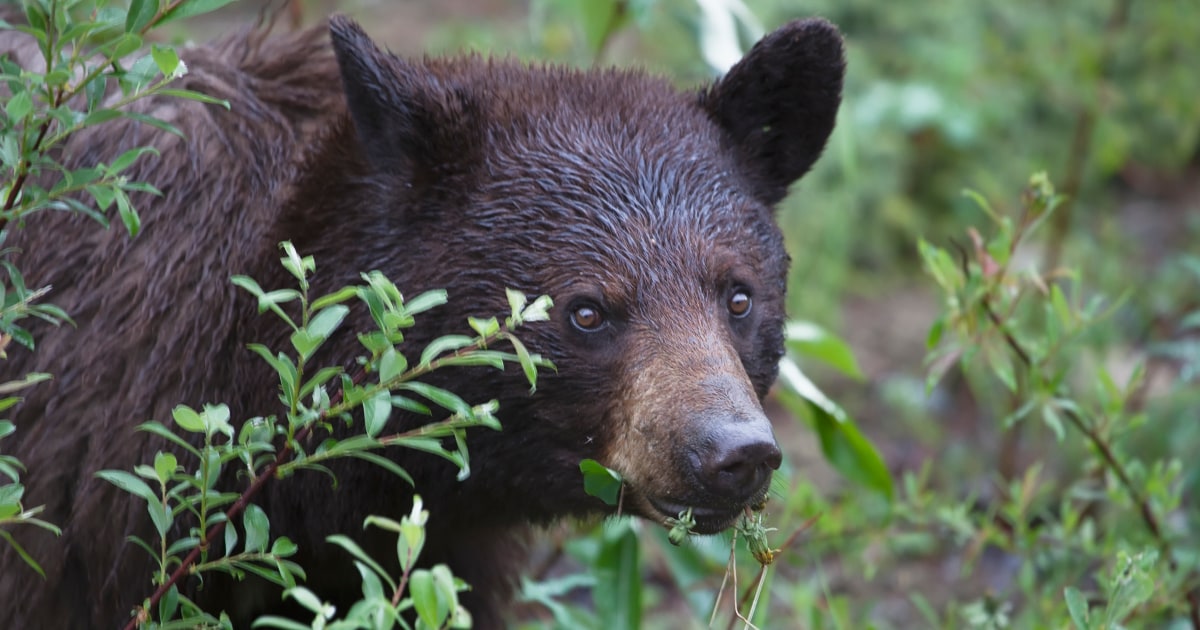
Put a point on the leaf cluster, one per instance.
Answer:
(330, 414)
(83, 69)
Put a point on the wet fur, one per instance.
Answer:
(469, 174)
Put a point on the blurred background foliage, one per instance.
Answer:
(1103, 95)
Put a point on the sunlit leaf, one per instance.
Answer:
(812, 341)
(843, 445)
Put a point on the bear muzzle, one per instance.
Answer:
(738, 461)
(728, 467)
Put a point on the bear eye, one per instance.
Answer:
(587, 318)
(739, 303)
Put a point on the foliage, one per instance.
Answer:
(320, 407)
(1019, 328)
(87, 70)
(432, 593)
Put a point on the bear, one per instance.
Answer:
(645, 211)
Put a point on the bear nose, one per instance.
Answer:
(741, 460)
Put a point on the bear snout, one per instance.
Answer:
(736, 460)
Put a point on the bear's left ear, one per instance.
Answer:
(779, 103)
(410, 122)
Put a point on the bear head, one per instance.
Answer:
(646, 213)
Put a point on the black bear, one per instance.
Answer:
(644, 211)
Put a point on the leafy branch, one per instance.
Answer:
(82, 48)
(989, 304)
(310, 408)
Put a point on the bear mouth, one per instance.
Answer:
(709, 520)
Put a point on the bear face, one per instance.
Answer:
(645, 213)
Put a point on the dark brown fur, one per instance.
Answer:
(604, 188)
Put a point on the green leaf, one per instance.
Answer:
(169, 604)
(384, 463)
(1002, 367)
(231, 538)
(429, 609)
(160, 515)
(271, 621)
(120, 48)
(1061, 308)
(376, 411)
(372, 588)
(810, 340)
(484, 327)
(307, 340)
(408, 404)
(443, 345)
(935, 333)
(103, 195)
(283, 547)
(282, 365)
(1051, 418)
(538, 311)
(600, 481)
(516, 302)
(337, 297)
(1132, 585)
(21, 552)
(129, 483)
(436, 395)
(185, 544)
(168, 61)
(320, 378)
(258, 528)
(391, 364)
(425, 301)
(167, 434)
(267, 300)
(618, 590)
(154, 122)
(1078, 608)
(843, 445)
(10, 499)
(361, 556)
(189, 8)
(18, 107)
(529, 362)
(29, 379)
(129, 216)
(216, 419)
(551, 593)
(164, 466)
(305, 598)
(140, 14)
(192, 95)
(444, 581)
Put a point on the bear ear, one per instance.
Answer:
(779, 103)
(409, 121)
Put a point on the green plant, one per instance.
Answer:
(432, 594)
(1022, 338)
(83, 67)
(271, 448)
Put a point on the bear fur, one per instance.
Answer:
(645, 212)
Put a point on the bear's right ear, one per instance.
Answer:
(779, 103)
(409, 122)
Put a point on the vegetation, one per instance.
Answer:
(1027, 466)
